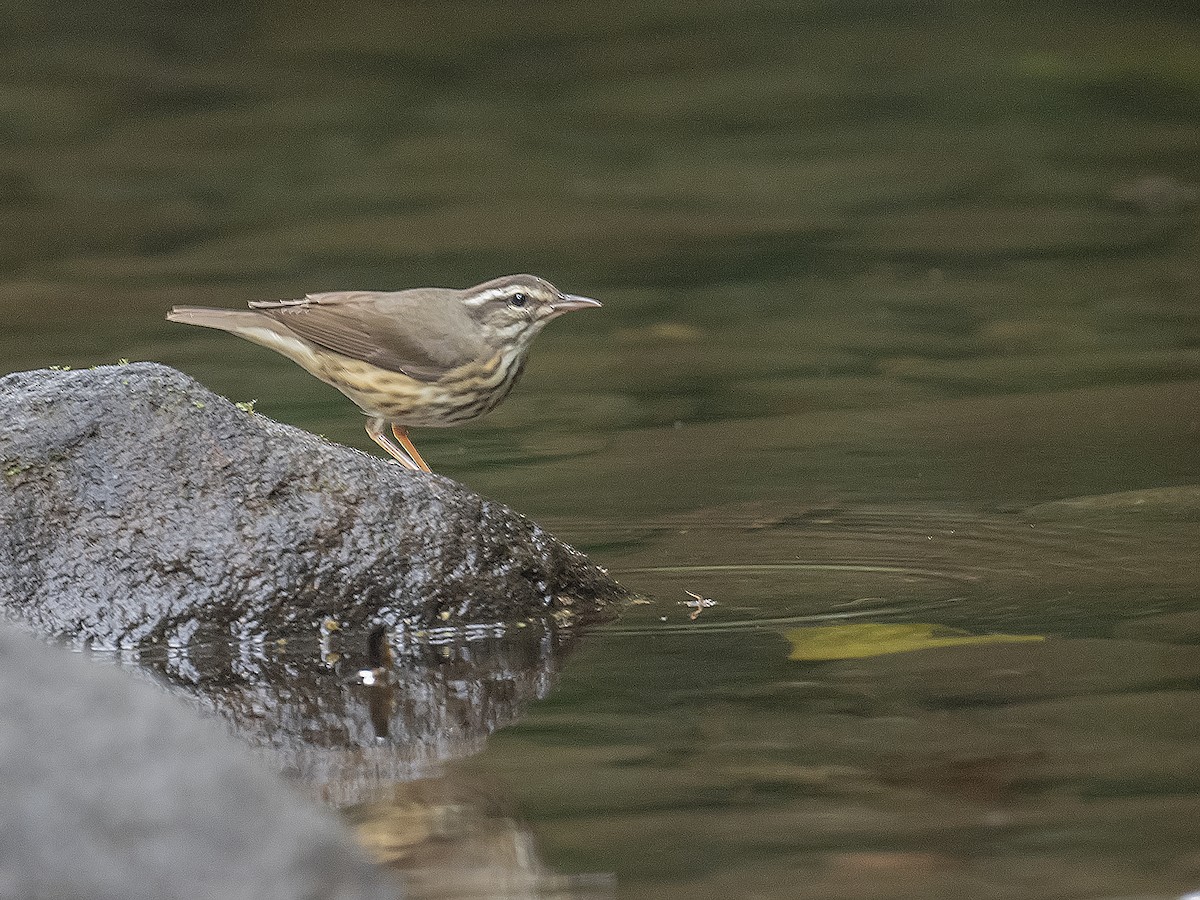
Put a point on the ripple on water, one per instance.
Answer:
(783, 566)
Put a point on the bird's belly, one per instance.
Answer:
(463, 394)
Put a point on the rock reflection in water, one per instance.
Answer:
(350, 715)
(366, 722)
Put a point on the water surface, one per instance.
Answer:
(883, 283)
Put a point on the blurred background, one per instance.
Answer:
(885, 282)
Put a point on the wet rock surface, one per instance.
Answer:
(115, 790)
(138, 506)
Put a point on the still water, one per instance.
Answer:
(899, 365)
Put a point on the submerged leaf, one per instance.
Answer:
(862, 640)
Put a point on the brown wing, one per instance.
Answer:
(423, 333)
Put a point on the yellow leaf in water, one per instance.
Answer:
(859, 641)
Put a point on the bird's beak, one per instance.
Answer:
(568, 302)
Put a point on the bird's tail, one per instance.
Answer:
(234, 320)
(256, 327)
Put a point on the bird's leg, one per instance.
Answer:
(380, 436)
(402, 436)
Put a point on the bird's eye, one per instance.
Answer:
(517, 300)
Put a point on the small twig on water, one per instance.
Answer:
(698, 604)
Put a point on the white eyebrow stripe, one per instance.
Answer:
(493, 294)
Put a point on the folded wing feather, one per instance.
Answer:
(422, 334)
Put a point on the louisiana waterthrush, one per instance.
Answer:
(425, 357)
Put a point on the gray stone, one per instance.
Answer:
(114, 791)
(137, 506)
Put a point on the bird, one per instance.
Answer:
(415, 358)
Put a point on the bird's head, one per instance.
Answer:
(513, 309)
